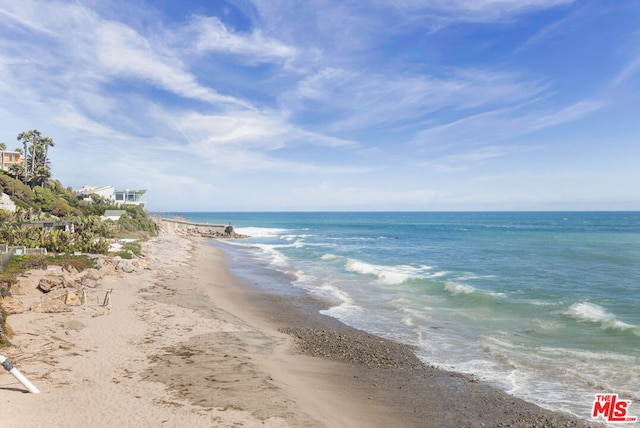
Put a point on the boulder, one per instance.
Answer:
(21, 289)
(106, 265)
(51, 283)
(72, 299)
(50, 306)
(128, 266)
(89, 283)
(94, 274)
(12, 306)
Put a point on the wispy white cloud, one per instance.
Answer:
(374, 98)
(628, 71)
(239, 128)
(213, 36)
(68, 117)
(124, 52)
(465, 160)
(567, 114)
(12, 11)
(474, 11)
(249, 140)
(83, 45)
(501, 124)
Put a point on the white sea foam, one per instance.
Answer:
(597, 357)
(590, 312)
(293, 237)
(469, 276)
(304, 279)
(389, 275)
(343, 303)
(456, 289)
(413, 317)
(274, 256)
(260, 232)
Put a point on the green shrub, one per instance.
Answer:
(32, 262)
(43, 198)
(130, 249)
(79, 263)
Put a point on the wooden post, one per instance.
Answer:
(107, 299)
(84, 297)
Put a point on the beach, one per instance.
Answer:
(185, 343)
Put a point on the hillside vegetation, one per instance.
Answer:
(54, 202)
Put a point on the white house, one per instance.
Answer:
(120, 197)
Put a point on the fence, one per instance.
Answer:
(8, 251)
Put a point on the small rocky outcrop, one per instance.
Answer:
(50, 306)
(72, 299)
(50, 283)
(11, 305)
(126, 265)
(61, 288)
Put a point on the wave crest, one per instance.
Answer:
(389, 275)
(590, 312)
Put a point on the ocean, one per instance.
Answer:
(544, 305)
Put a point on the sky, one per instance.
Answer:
(328, 105)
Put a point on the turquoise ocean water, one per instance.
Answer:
(545, 305)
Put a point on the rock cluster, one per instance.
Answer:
(11, 305)
(62, 288)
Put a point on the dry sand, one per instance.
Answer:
(186, 345)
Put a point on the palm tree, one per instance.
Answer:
(28, 138)
(41, 175)
(35, 156)
(17, 171)
(47, 142)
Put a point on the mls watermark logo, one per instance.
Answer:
(612, 409)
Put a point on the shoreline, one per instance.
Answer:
(388, 374)
(189, 344)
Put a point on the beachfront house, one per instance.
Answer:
(8, 158)
(109, 193)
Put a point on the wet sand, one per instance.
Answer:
(188, 344)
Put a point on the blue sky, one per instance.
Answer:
(261, 105)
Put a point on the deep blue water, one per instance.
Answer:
(545, 305)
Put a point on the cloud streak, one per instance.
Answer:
(211, 35)
(504, 124)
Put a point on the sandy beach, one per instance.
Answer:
(187, 344)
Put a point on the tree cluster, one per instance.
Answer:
(38, 197)
(35, 169)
